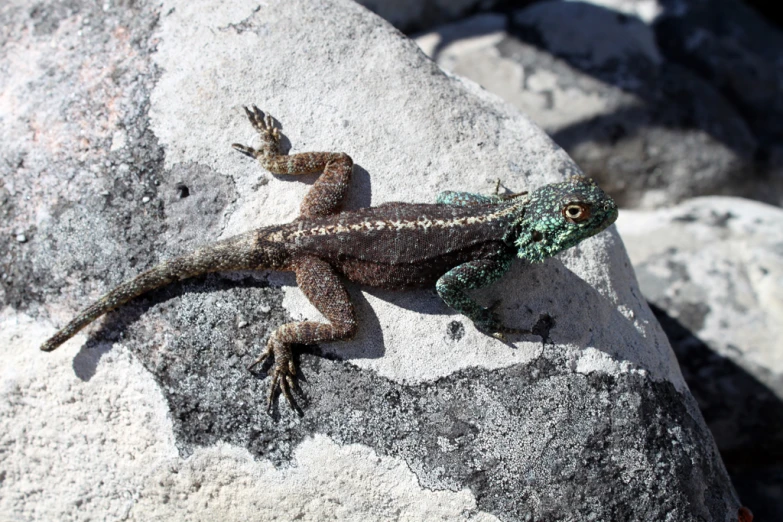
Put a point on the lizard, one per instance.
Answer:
(461, 242)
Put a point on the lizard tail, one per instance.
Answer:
(236, 253)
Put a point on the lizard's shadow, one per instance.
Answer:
(615, 322)
(553, 301)
(254, 299)
(249, 295)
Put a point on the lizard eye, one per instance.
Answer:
(576, 212)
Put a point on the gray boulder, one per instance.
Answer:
(711, 269)
(117, 122)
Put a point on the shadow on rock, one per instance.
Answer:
(745, 417)
(680, 98)
(234, 310)
(658, 112)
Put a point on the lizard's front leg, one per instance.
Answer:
(327, 194)
(321, 285)
(453, 284)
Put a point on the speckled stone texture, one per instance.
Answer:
(117, 125)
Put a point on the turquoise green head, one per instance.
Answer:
(560, 215)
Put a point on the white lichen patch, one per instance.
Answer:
(324, 482)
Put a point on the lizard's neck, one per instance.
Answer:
(534, 245)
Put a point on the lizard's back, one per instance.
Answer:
(401, 244)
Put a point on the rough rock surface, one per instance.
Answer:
(116, 128)
(711, 268)
(652, 128)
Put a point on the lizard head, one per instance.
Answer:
(560, 215)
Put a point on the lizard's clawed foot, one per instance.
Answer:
(267, 130)
(263, 123)
(282, 378)
(491, 324)
(282, 372)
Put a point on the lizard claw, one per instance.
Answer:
(263, 123)
(503, 331)
(267, 130)
(282, 379)
(282, 373)
(506, 196)
(247, 151)
(261, 358)
(257, 118)
(501, 336)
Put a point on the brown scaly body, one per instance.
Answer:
(463, 241)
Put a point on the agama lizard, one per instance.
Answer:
(462, 242)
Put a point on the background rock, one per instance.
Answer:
(111, 111)
(665, 100)
(711, 268)
(651, 130)
(612, 85)
(737, 51)
(417, 15)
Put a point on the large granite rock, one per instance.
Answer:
(711, 267)
(116, 130)
(651, 127)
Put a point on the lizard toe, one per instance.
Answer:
(282, 373)
(504, 331)
(261, 358)
(247, 151)
(282, 380)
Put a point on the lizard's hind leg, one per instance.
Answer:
(323, 288)
(327, 194)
